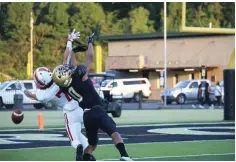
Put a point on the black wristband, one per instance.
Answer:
(90, 40)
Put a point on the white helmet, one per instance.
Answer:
(42, 77)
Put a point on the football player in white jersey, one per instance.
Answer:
(50, 92)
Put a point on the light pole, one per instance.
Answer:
(31, 43)
(165, 51)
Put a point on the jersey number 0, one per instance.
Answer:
(74, 94)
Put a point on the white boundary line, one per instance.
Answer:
(129, 125)
(144, 143)
(164, 157)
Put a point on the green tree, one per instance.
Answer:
(174, 14)
(3, 15)
(53, 21)
(16, 36)
(86, 20)
(208, 13)
(114, 26)
(17, 21)
(228, 14)
(51, 29)
(139, 19)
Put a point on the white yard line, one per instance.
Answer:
(129, 125)
(180, 156)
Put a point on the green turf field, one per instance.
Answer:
(216, 150)
(56, 119)
(190, 151)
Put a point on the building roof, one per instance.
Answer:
(159, 35)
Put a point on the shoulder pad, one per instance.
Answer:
(81, 70)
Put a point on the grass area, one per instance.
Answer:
(56, 119)
(201, 157)
(173, 151)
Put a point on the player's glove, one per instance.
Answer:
(20, 86)
(74, 35)
(90, 38)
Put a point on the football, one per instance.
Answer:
(17, 116)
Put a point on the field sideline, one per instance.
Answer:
(56, 119)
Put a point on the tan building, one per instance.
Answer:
(142, 55)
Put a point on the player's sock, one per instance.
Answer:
(121, 148)
(79, 153)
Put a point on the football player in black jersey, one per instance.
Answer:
(74, 81)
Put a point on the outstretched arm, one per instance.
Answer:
(20, 86)
(89, 56)
(69, 56)
(30, 94)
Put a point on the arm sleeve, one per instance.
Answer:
(42, 96)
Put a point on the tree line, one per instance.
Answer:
(53, 21)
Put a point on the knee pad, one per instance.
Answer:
(88, 157)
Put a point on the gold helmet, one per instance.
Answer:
(62, 75)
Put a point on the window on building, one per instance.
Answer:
(213, 78)
(176, 78)
(192, 76)
(145, 74)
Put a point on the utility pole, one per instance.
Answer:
(31, 43)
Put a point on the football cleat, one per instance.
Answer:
(79, 153)
(123, 158)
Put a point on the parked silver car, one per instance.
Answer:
(184, 91)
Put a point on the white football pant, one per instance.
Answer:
(74, 123)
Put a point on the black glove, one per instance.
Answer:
(90, 38)
(80, 48)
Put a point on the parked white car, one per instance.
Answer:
(97, 88)
(185, 90)
(8, 90)
(127, 89)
